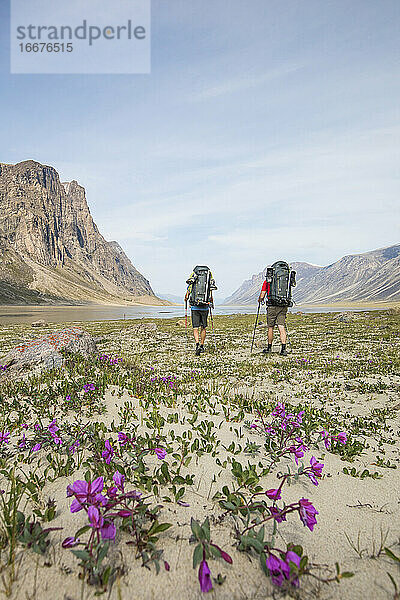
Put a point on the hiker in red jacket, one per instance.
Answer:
(276, 315)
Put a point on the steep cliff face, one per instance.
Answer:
(50, 244)
(373, 276)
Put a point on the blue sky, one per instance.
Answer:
(266, 129)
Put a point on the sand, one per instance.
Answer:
(348, 370)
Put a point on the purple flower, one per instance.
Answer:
(161, 454)
(224, 555)
(112, 492)
(5, 437)
(36, 447)
(22, 444)
(53, 428)
(122, 438)
(205, 577)
(342, 437)
(86, 492)
(326, 438)
(70, 542)
(108, 531)
(307, 513)
(293, 557)
(88, 387)
(74, 447)
(300, 416)
(316, 470)
(277, 514)
(298, 453)
(278, 569)
(95, 518)
(119, 479)
(273, 494)
(279, 410)
(108, 452)
(124, 513)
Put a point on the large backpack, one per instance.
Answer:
(280, 280)
(202, 283)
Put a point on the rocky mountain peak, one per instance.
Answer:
(47, 227)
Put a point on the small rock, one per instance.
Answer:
(39, 323)
(345, 317)
(45, 351)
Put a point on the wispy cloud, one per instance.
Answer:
(247, 82)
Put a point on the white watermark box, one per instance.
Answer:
(75, 36)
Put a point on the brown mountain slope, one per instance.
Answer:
(50, 247)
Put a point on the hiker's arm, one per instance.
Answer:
(263, 292)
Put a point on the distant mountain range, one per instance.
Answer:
(171, 298)
(51, 250)
(370, 277)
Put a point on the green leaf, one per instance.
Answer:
(197, 555)
(81, 554)
(102, 553)
(214, 551)
(303, 562)
(248, 540)
(82, 530)
(392, 555)
(158, 527)
(206, 528)
(261, 533)
(196, 529)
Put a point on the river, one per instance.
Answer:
(66, 314)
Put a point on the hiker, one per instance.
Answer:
(278, 289)
(199, 293)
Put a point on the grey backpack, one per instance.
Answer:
(202, 284)
(280, 280)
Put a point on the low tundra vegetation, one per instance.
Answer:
(116, 460)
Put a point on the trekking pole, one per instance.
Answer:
(186, 328)
(255, 325)
(212, 328)
(288, 338)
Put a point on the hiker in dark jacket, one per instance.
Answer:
(200, 295)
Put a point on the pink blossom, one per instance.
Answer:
(119, 480)
(205, 577)
(307, 513)
(273, 494)
(161, 453)
(86, 492)
(108, 452)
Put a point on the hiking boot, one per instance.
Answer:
(201, 348)
(267, 351)
(197, 352)
(283, 352)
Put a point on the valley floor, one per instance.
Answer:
(206, 438)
